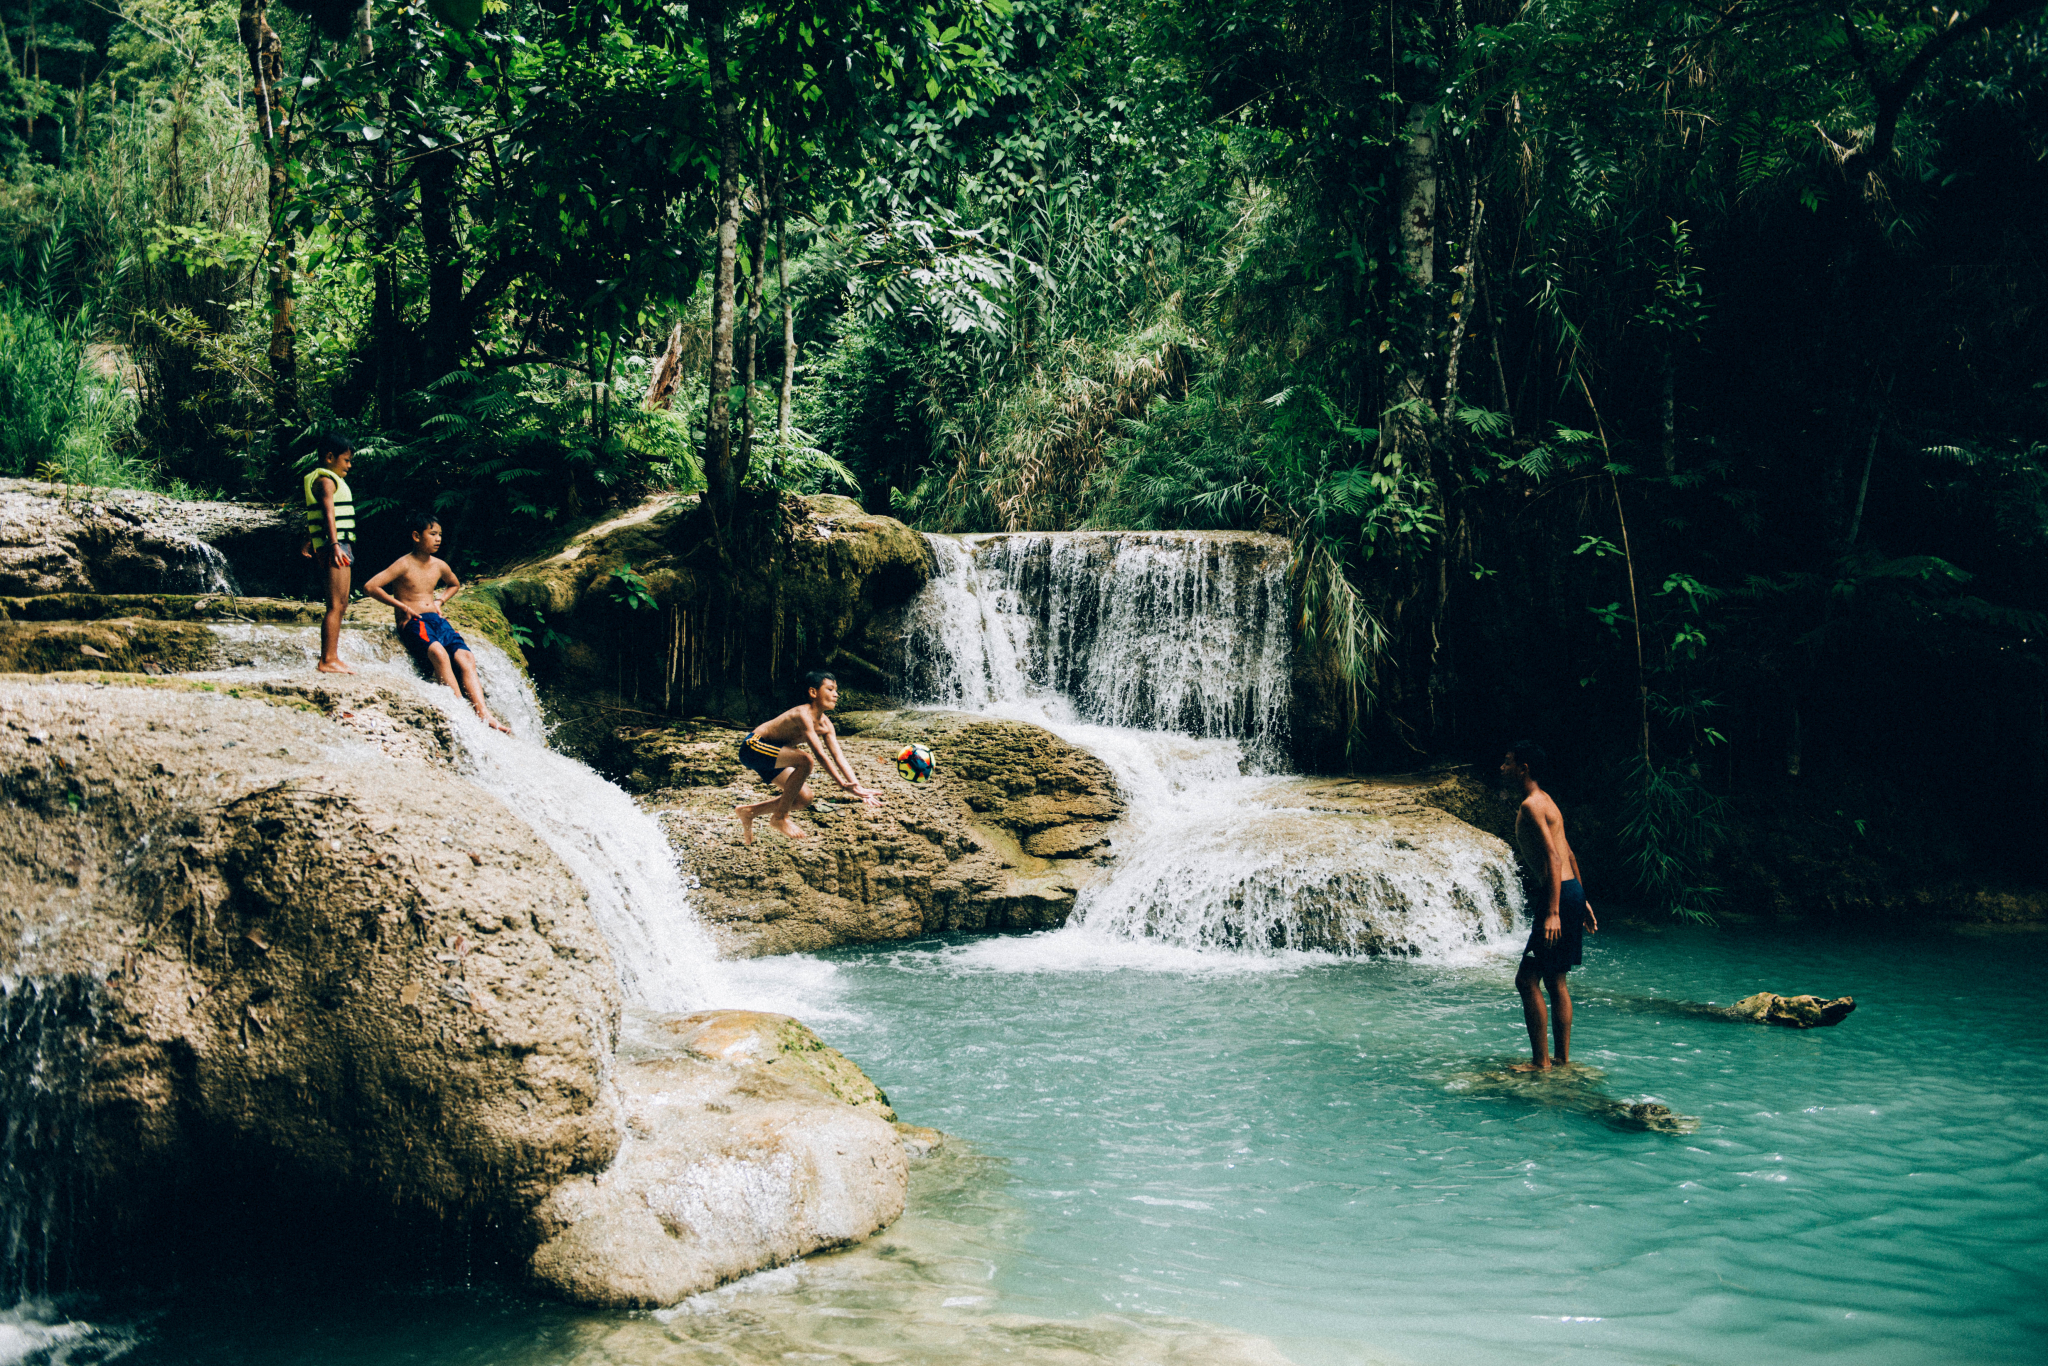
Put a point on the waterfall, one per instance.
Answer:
(1168, 656)
(194, 566)
(1157, 631)
(664, 956)
(46, 1046)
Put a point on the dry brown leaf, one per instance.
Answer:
(256, 937)
(91, 653)
(410, 994)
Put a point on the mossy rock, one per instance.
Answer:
(161, 607)
(753, 1038)
(114, 645)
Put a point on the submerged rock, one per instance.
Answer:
(1576, 1090)
(1002, 837)
(1797, 1012)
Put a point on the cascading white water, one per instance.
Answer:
(1167, 655)
(665, 959)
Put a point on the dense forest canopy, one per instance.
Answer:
(1665, 375)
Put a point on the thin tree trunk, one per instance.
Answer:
(386, 347)
(1418, 218)
(721, 483)
(1473, 220)
(788, 328)
(266, 68)
(1869, 459)
(757, 287)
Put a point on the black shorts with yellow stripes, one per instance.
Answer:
(761, 757)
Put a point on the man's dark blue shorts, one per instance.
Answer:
(427, 629)
(1551, 959)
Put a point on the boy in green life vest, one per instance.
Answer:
(331, 539)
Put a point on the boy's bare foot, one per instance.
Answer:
(1530, 1067)
(781, 825)
(333, 666)
(746, 815)
(484, 715)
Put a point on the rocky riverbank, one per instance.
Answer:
(1003, 837)
(288, 948)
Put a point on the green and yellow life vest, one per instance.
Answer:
(344, 508)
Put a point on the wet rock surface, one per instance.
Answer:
(757, 1144)
(1002, 838)
(55, 539)
(1795, 1012)
(313, 973)
(363, 976)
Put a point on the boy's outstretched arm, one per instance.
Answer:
(376, 588)
(825, 744)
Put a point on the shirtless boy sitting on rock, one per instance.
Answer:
(412, 587)
(770, 749)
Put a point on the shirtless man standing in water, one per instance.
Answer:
(1558, 904)
(772, 751)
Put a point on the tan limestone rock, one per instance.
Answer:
(1796, 1012)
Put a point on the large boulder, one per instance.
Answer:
(348, 977)
(755, 1146)
(276, 964)
(1002, 838)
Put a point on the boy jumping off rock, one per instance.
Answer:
(331, 539)
(770, 749)
(1558, 903)
(412, 587)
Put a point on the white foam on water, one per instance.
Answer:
(33, 1333)
(1167, 657)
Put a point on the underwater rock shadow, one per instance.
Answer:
(1574, 1089)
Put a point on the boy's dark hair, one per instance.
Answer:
(1530, 753)
(817, 678)
(419, 519)
(327, 445)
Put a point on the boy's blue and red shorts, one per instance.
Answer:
(428, 629)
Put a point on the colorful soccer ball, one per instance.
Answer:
(915, 763)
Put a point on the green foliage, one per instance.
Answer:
(628, 590)
(1673, 825)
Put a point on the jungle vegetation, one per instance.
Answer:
(1668, 376)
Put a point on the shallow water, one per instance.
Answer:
(1213, 1158)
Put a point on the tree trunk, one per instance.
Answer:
(668, 371)
(266, 69)
(1418, 221)
(757, 287)
(387, 349)
(439, 172)
(1469, 298)
(721, 482)
(788, 329)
